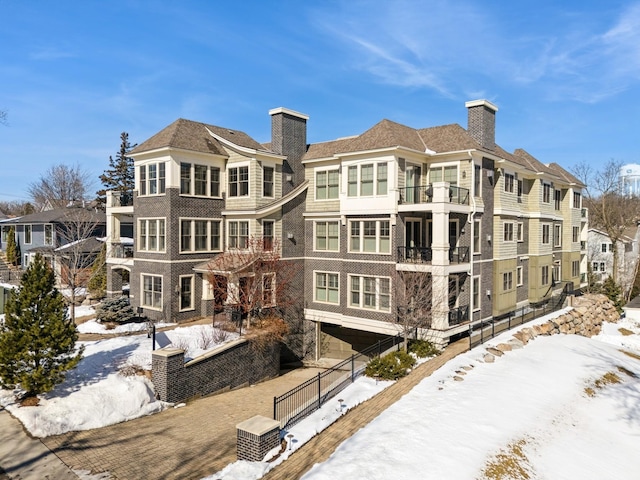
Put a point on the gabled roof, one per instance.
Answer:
(562, 173)
(448, 138)
(531, 162)
(57, 215)
(190, 135)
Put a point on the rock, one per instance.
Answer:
(503, 347)
(488, 358)
(495, 352)
(458, 379)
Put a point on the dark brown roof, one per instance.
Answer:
(190, 135)
(531, 162)
(562, 173)
(448, 138)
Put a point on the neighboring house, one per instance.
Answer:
(600, 256)
(50, 234)
(492, 231)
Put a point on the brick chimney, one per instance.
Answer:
(289, 137)
(481, 122)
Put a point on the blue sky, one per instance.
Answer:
(565, 75)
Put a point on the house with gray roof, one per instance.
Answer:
(486, 231)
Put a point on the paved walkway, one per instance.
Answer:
(320, 447)
(26, 458)
(185, 443)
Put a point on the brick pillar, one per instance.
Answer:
(256, 437)
(167, 371)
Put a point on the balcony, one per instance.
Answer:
(121, 250)
(119, 199)
(424, 194)
(425, 255)
(584, 214)
(415, 254)
(583, 246)
(458, 315)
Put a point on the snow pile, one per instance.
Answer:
(93, 326)
(104, 389)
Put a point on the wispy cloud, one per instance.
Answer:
(454, 48)
(50, 54)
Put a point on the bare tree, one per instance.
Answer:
(609, 209)
(80, 248)
(59, 186)
(254, 280)
(416, 301)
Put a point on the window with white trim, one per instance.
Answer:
(48, 234)
(575, 268)
(28, 234)
(507, 281)
(327, 184)
(557, 235)
(476, 237)
(476, 294)
(594, 266)
(151, 234)
(508, 182)
(268, 234)
(152, 179)
(373, 293)
(369, 236)
(152, 291)
(520, 232)
(186, 292)
(327, 236)
(327, 288)
(557, 199)
(519, 276)
(238, 234)
(268, 176)
(199, 180)
(546, 233)
(577, 200)
(239, 181)
(366, 177)
(199, 235)
(508, 231)
(447, 173)
(545, 275)
(546, 193)
(5, 234)
(575, 234)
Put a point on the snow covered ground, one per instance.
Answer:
(104, 389)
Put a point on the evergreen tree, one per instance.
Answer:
(12, 251)
(120, 174)
(98, 282)
(37, 340)
(612, 290)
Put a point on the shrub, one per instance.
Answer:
(393, 366)
(117, 310)
(423, 348)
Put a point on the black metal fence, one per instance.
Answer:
(301, 401)
(481, 332)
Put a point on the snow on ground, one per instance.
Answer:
(97, 394)
(93, 326)
(535, 395)
(535, 398)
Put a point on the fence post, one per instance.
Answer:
(379, 349)
(274, 409)
(493, 327)
(353, 370)
(319, 393)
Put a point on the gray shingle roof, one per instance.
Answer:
(56, 215)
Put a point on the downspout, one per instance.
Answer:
(472, 224)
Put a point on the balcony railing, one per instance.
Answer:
(424, 194)
(121, 250)
(459, 315)
(415, 254)
(121, 199)
(425, 255)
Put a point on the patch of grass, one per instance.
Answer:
(609, 378)
(623, 331)
(631, 354)
(509, 464)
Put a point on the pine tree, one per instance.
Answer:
(612, 290)
(12, 251)
(37, 341)
(98, 282)
(120, 174)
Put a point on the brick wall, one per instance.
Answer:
(235, 364)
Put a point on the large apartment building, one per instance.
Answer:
(487, 231)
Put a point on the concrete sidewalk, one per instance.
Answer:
(25, 458)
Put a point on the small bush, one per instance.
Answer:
(116, 310)
(423, 348)
(393, 366)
